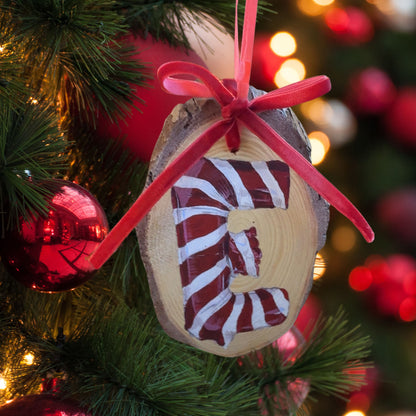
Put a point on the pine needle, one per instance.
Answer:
(31, 149)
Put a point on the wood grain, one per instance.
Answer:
(289, 239)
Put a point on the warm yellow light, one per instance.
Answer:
(310, 8)
(29, 358)
(316, 110)
(291, 71)
(323, 2)
(3, 383)
(355, 413)
(1, 48)
(319, 267)
(343, 238)
(33, 100)
(283, 44)
(318, 152)
(319, 146)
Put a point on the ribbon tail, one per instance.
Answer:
(151, 195)
(307, 172)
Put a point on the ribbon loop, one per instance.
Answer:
(211, 86)
(293, 94)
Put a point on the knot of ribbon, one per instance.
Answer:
(236, 111)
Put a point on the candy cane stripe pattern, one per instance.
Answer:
(210, 256)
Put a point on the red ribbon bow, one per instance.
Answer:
(236, 110)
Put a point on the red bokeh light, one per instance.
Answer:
(350, 25)
(360, 278)
(407, 309)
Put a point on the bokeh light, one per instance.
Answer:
(323, 2)
(291, 71)
(407, 309)
(360, 278)
(310, 8)
(319, 267)
(283, 44)
(319, 146)
(315, 110)
(29, 358)
(359, 400)
(3, 383)
(343, 238)
(355, 413)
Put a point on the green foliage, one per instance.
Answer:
(332, 361)
(168, 20)
(31, 147)
(70, 44)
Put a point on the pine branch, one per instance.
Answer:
(166, 20)
(126, 365)
(331, 362)
(31, 146)
(71, 44)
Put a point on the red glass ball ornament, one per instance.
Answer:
(42, 405)
(400, 119)
(140, 130)
(371, 91)
(350, 26)
(50, 253)
(396, 212)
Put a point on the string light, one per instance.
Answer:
(319, 267)
(323, 2)
(29, 358)
(3, 383)
(291, 71)
(355, 413)
(319, 146)
(283, 44)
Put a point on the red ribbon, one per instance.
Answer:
(236, 110)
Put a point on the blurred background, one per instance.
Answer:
(363, 136)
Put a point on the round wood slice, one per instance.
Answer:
(288, 238)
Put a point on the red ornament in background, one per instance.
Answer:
(308, 315)
(396, 212)
(390, 285)
(289, 346)
(140, 130)
(361, 399)
(265, 64)
(50, 254)
(371, 91)
(400, 120)
(350, 26)
(42, 405)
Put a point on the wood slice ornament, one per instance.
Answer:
(230, 250)
(233, 212)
